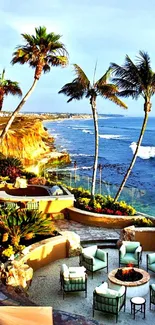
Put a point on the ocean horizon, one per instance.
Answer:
(117, 141)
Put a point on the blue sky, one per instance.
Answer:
(91, 30)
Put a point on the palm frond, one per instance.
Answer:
(81, 76)
(41, 48)
(117, 101)
(104, 79)
(74, 90)
(107, 89)
(128, 93)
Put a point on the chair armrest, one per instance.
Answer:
(138, 251)
(89, 259)
(151, 258)
(122, 251)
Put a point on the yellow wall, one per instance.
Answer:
(46, 251)
(55, 205)
(106, 221)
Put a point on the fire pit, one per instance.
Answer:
(136, 280)
(128, 274)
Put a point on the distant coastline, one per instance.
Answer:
(56, 116)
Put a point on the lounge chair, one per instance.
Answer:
(93, 259)
(109, 300)
(130, 253)
(73, 279)
(150, 262)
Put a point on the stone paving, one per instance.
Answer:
(87, 233)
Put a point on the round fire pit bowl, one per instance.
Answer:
(134, 288)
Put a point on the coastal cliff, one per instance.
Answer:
(31, 143)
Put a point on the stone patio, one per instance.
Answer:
(45, 289)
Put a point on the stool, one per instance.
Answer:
(140, 302)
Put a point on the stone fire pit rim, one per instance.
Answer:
(145, 278)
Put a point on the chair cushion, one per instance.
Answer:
(98, 264)
(100, 255)
(120, 291)
(151, 258)
(129, 258)
(106, 292)
(131, 245)
(102, 287)
(75, 269)
(91, 250)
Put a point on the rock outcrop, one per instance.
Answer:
(28, 140)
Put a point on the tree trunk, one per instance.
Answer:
(2, 93)
(94, 111)
(14, 114)
(146, 109)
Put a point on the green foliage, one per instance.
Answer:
(19, 223)
(101, 203)
(10, 167)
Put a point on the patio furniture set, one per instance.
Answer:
(106, 298)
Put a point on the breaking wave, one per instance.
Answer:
(143, 152)
(80, 154)
(87, 131)
(111, 136)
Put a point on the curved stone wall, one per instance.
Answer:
(101, 220)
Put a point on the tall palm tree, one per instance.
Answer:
(41, 51)
(81, 87)
(8, 87)
(135, 80)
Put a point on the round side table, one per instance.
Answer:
(138, 302)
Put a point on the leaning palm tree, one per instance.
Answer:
(135, 80)
(8, 87)
(81, 87)
(41, 51)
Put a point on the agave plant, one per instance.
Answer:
(24, 223)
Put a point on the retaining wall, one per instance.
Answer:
(101, 220)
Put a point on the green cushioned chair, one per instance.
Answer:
(152, 294)
(150, 262)
(73, 279)
(130, 253)
(93, 259)
(108, 300)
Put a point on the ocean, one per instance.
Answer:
(117, 141)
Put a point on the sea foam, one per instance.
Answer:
(109, 136)
(143, 152)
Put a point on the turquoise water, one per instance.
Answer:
(117, 140)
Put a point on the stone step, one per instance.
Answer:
(105, 243)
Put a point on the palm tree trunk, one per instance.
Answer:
(2, 93)
(135, 154)
(93, 105)
(14, 114)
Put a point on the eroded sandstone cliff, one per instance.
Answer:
(31, 143)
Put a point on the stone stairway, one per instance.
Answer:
(105, 243)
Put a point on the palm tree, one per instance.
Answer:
(8, 87)
(41, 51)
(135, 80)
(81, 87)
